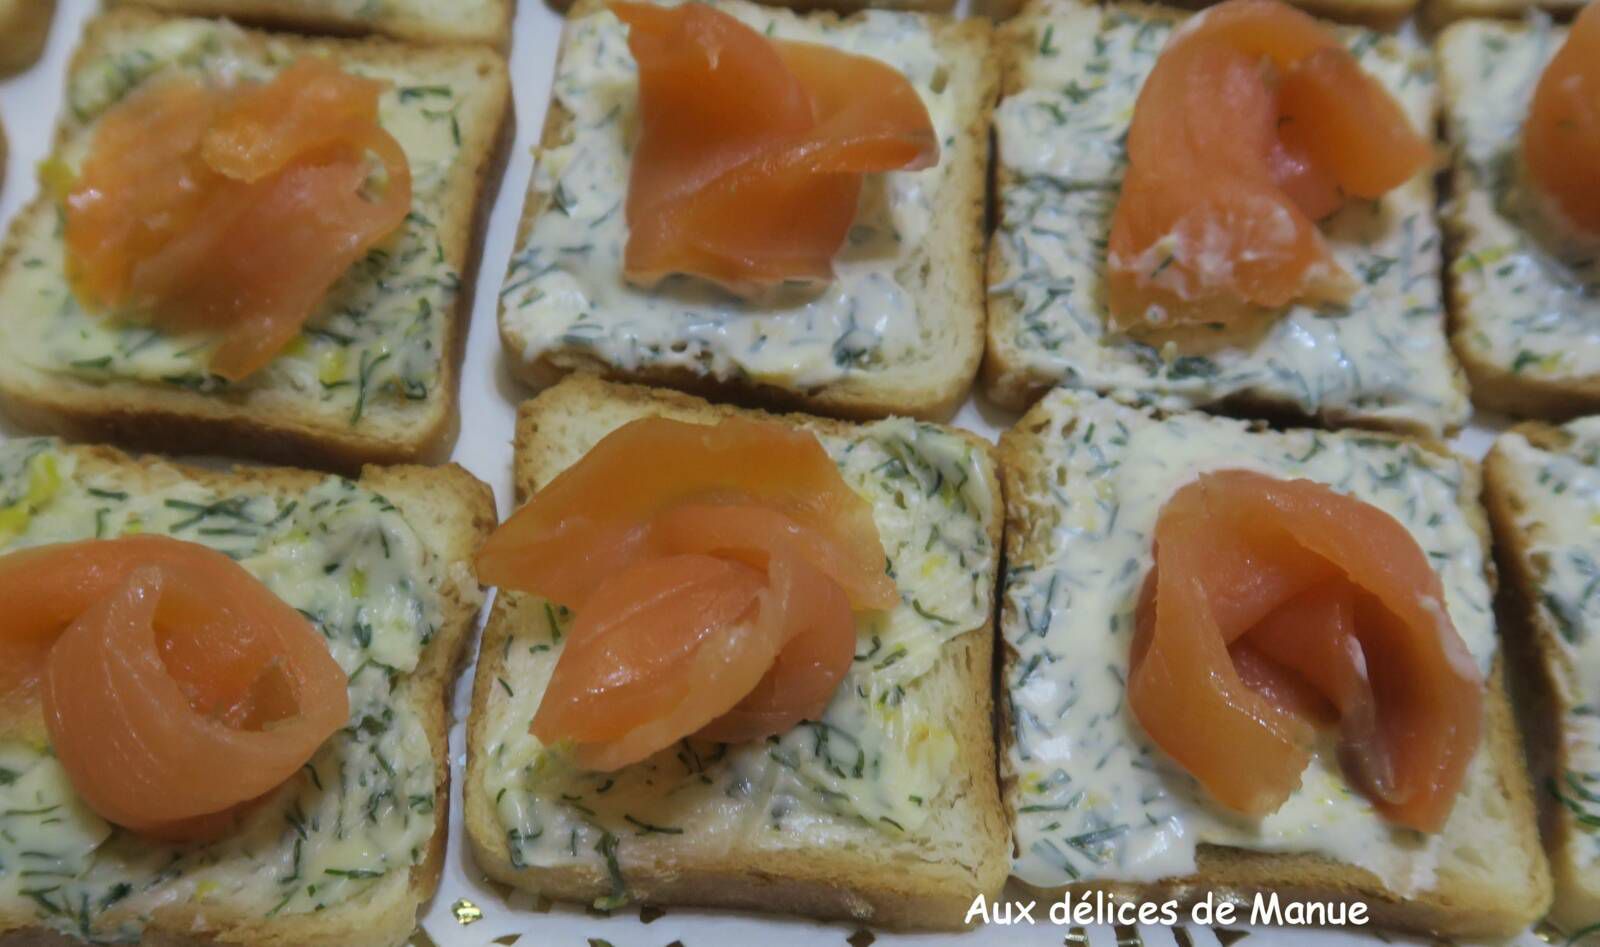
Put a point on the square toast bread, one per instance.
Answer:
(373, 375)
(1522, 304)
(899, 331)
(229, 891)
(1092, 799)
(1540, 487)
(1073, 72)
(919, 832)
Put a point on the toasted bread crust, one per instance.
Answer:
(418, 27)
(867, 886)
(266, 424)
(944, 380)
(1454, 907)
(452, 512)
(1533, 646)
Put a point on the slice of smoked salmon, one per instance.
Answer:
(598, 514)
(1561, 135)
(234, 211)
(1277, 605)
(1254, 123)
(714, 570)
(819, 635)
(748, 168)
(654, 656)
(174, 685)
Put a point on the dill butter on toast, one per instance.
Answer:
(1096, 805)
(372, 376)
(1522, 297)
(1074, 72)
(897, 331)
(346, 850)
(1542, 489)
(882, 811)
(421, 21)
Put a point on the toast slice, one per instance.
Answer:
(884, 812)
(373, 375)
(1383, 14)
(1542, 489)
(342, 854)
(1073, 72)
(24, 25)
(420, 21)
(842, 7)
(899, 331)
(1097, 807)
(1522, 316)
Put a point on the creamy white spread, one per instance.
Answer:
(1094, 798)
(565, 289)
(1560, 518)
(1061, 135)
(878, 757)
(356, 818)
(1527, 292)
(378, 338)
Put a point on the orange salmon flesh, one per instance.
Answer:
(714, 570)
(175, 687)
(1278, 607)
(1561, 135)
(1255, 123)
(234, 211)
(751, 153)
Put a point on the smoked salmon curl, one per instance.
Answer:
(175, 686)
(1255, 123)
(1278, 607)
(751, 153)
(714, 570)
(1561, 135)
(234, 211)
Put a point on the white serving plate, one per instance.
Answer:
(468, 911)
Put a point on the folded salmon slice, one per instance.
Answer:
(174, 686)
(715, 571)
(748, 168)
(1254, 124)
(1280, 606)
(234, 211)
(601, 513)
(1561, 135)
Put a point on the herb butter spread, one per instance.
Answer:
(356, 818)
(1061, 134)
(877, 759)
(379, 339)
(1560, 519)
(1093, 797)
(565, 290)
(1526, 296)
